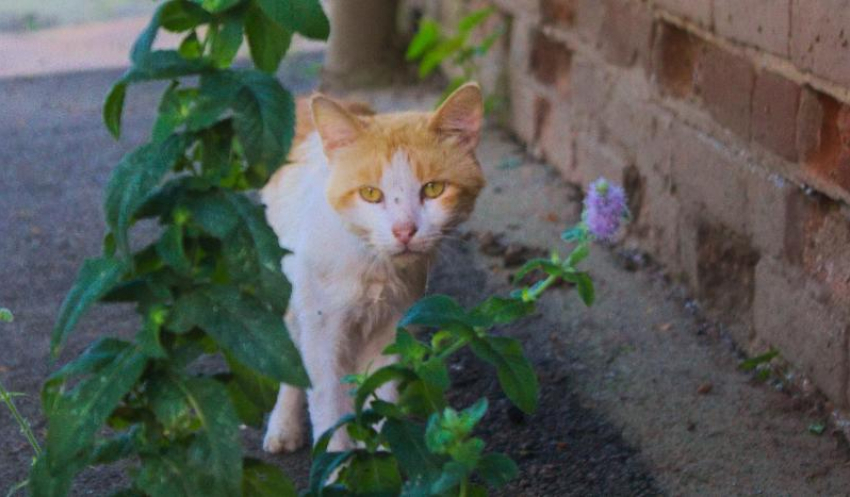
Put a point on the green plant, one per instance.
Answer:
(419, 445)
(431, 47)
(209, 285)
(8, 399)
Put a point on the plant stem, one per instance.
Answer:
(453, 348)
(463, 489)
(540, 287)
(6, 397)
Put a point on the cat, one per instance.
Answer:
(362, 208)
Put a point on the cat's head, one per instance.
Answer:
(401, 181)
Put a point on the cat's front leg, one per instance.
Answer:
(285, 431)
(326, 358)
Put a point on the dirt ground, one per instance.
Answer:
(625, 410)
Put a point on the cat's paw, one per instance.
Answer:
(279, 439)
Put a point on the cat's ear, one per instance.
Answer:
(335, 125)
(460, 116)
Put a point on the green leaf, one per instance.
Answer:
(452, 475)
(76, 416)
(169, 404)
(323, 467)
(264, 120)
(268, 41)
(474, 18)
(584, 285)
(245, 328)
(6, 315)
(439, 311)
(226, 44)
(118, 447)
(274, 289)
(373, 474)
(422, 398)
(215, 465)
(170, 249)
(496, 469)
(407, 441)
(216, 6)
(113, 108)
(426, 38)
(752, 363)
(134, 180)
(376, 380)
(407, 347)
(95, 279)
(182, 15)
(163, 64)
(502, 310)
(434, 372)
(51, 482)
(468, 452)
(516, 376)
(439, 53)
(252, 394)
(302, 16)
(99, 354)
(264, 480)
(190, 47)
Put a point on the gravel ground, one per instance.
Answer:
(623, 408)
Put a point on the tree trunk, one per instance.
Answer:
(362, 48)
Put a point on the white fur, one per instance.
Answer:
(349, 290)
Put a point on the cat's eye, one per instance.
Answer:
(371, 194)
(433, 189)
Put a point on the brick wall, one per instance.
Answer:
(728, 122)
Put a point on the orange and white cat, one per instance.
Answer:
(362, 207)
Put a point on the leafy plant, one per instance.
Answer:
(419, 445)
(432, 46)
(8, 399)
(209, 285)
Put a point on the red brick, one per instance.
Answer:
(725, 82)
(626, 32)
(550, 63)
(790, 314)
(761, 23)
(774, 114)
(825, 145)
(820, 38)
(675, 56)
(560, 12)
(698, 11)
(809, 123)
(826, 237)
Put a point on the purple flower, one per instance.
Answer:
(604, 209)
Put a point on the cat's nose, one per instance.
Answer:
(404, 232)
